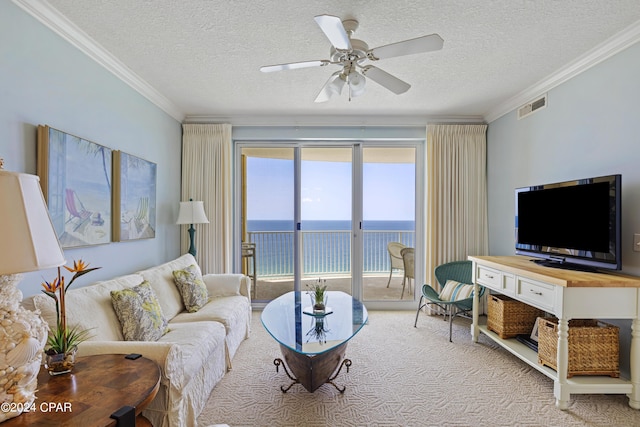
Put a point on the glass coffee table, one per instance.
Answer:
(313, 344)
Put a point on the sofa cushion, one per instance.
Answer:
(194, 292)
(161, 280)
(139, 313)
(89, 307)
(230, 311)
(197, 341)
(223, 285)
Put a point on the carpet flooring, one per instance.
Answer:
(404, 376)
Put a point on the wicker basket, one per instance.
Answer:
(593, 347)
(509, 318)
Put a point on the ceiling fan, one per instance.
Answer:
(352, 55)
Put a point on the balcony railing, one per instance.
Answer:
(323, 252)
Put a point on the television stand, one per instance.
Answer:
(566, 295)
(564, 265)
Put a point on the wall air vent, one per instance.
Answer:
(532, 107)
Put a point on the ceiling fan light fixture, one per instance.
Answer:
(357, 83)
(337, 84)
(350, 53)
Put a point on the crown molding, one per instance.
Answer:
(59, 24)
(616, 44)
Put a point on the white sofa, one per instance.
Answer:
(193, 355)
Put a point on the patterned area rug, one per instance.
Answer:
(404, 376)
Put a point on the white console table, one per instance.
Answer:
(567, 295)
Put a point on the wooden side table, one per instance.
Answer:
(98, 386)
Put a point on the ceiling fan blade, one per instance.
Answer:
(385, 79)
(332, 86)
(334, 30)
(408, 47)
(294, 65)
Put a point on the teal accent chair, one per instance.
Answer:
(460, 271)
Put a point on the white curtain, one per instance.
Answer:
(456, 223)
(206, 176)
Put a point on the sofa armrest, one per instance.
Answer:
(167, 355)
(223, 285)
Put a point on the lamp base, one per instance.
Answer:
(24, 336)
(192, 240)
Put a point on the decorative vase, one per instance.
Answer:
(318, 305)
(60, 363)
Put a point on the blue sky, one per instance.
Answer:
(389, 190)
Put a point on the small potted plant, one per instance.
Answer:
(317, 293)
(62, 343)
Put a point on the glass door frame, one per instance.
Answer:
(357, 146)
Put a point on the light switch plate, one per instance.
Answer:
(636, 242)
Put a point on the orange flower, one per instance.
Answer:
(78, 266)
(53, 286)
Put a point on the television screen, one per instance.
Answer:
(572, 224)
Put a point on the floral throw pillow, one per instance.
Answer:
(192, 288)
(139, 313)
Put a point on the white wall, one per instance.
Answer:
(45, 80)
(589, 128)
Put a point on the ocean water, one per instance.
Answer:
(326, 245)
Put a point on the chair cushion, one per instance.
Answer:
(139, 313)
(192, 288)
(456, 291)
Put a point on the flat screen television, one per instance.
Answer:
(574, 224)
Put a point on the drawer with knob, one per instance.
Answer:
(488, 277)
(496, 280)
(541, 295)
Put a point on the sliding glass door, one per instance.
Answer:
(388, 226)
(330, 212)
(268, 240)
(326, 216)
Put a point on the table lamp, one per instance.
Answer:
(192, 213)
(28, 242)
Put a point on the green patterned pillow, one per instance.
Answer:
(139, 313)
(192, 288)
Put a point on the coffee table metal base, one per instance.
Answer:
(313, 371)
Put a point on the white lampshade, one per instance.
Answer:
(192, 213)
(28, 241)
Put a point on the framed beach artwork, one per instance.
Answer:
(134, 198)
(75, 176)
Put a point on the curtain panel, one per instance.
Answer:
(206, 176)
(456, 223)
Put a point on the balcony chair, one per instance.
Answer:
(456, 297)
(408, 260)
(249, 258)
(395, 258)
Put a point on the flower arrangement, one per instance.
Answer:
(64, 339)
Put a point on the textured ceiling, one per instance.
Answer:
(204, 55)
